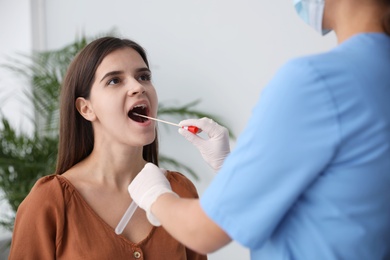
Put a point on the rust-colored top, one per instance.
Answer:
(55, 222)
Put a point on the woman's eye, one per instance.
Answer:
(145, 77)
(113, 81)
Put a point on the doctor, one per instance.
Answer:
(310, 175)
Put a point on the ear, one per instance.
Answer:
(85, 109)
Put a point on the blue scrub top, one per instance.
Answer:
(310, 175)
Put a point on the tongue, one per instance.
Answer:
(136, 118)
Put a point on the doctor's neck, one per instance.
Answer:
(356, 18)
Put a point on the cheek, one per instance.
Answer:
(102, 104)
(153, 99)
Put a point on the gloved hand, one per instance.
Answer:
(215, 149)
(147, 186)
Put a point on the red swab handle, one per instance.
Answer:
(192, 129)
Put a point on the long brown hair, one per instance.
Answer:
(76, 134)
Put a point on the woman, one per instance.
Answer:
(310, 175)
(103, 145)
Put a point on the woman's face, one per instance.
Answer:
(122, 85)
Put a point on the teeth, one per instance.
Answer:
(141, 106)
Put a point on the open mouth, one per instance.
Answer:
(139, 109)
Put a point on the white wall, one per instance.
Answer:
(220, 51)
(15, 37)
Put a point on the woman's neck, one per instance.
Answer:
(114, 165)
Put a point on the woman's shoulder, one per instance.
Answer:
(52, 182)
(182, 185)
(52, 189)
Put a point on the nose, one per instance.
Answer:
(135, 89)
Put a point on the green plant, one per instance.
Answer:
(24, 157)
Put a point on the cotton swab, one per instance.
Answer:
(192, 129)
(126, 218)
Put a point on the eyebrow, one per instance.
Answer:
(118, 72)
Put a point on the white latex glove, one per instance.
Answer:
(215, 149)
(147, 186)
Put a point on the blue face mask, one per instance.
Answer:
(312, 12)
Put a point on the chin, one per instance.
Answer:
(148, 140)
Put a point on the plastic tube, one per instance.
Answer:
(126, 218)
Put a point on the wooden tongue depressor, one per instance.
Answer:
(192, 129)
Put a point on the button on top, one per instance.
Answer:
(137, 254)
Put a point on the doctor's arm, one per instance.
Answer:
(184, 219)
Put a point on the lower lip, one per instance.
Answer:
(145, 123)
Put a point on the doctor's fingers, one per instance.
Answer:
(192, 138)
(207, 125)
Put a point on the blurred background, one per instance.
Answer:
(220, 52)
